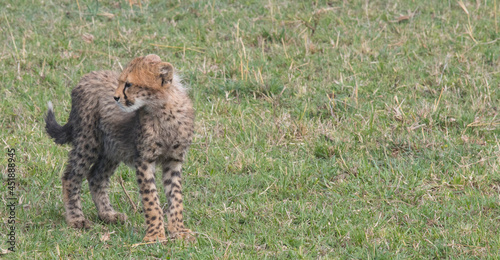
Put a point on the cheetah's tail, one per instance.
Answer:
(60, 134)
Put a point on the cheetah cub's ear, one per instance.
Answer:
(152, 57)
(166, 73)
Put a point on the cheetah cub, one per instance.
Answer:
(142, 117)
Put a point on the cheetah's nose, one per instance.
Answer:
(116, 98)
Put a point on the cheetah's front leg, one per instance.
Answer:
(152, 210)
(173, 190)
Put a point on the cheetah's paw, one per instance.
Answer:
(150, 238)
(80, 223)
(184, 234)
(113, 217)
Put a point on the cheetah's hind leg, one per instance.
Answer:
(98, 184)
(71, 186)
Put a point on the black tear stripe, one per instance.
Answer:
(124, 88)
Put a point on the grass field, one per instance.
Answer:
(324, 129)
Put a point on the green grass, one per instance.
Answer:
(324, 129)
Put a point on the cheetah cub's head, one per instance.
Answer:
(144, 82)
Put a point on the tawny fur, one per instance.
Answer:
(142, 117)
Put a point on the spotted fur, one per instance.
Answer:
(142, 117)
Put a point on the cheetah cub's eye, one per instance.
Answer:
(127, 85)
